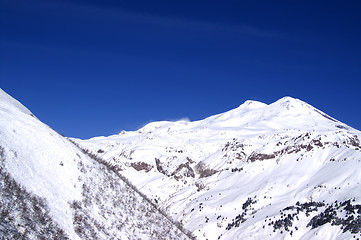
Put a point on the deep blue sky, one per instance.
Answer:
(90, 68)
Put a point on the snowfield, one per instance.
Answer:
(279, 171)
(52, 189)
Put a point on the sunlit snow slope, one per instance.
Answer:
(277, 171)
(51, 189)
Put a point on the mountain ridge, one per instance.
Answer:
(255, 160)
(51, 189)
(290, 105)
(281, 170)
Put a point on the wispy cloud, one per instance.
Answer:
(73, 9)
(242, 29)
(200, 25)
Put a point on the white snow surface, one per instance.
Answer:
(35, 165)
(277, 155)
(51, 167)
(242, 174)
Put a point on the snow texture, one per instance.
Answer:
(278, 171)
(52, 189)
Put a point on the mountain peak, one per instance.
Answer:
(291, 103)
(249, 172)
(286, 102)
(252, 104)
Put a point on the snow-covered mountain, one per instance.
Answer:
(278, 171)
(52, 189)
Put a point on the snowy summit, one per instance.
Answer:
(258, 171)
(280, 171)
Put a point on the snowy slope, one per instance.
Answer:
(283, 170)
(51, 189)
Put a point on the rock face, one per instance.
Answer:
(52, 189)
(258, 171)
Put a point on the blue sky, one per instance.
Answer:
(90, 68)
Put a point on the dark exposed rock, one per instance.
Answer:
(203, 170)
(141, 166)
(325, 116)
(160, 167)
(183, 170)
(260, 156)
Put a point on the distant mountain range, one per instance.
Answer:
(280, 171)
